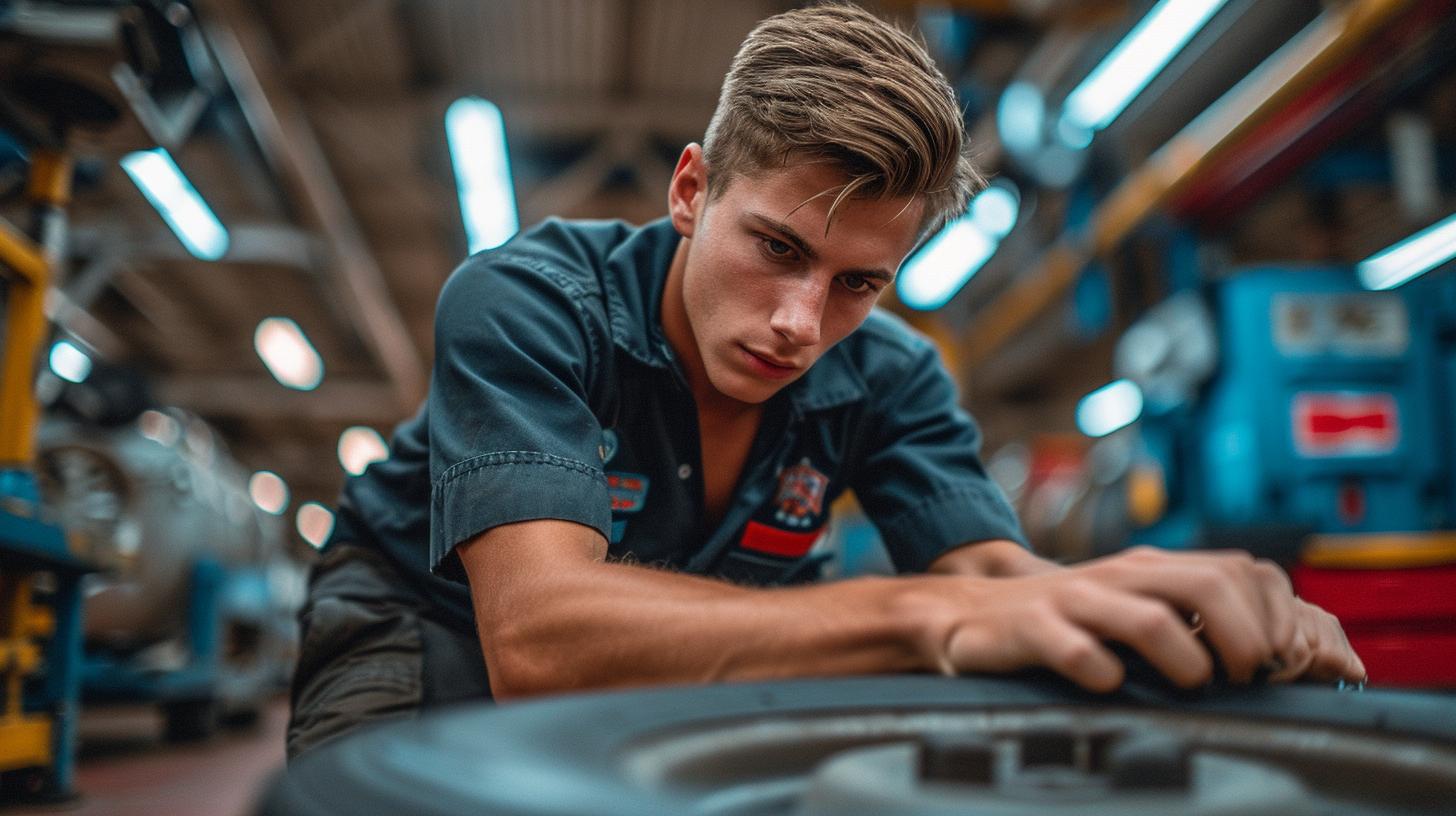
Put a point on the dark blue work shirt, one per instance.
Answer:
(555, 395)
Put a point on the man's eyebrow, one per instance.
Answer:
(804, 247)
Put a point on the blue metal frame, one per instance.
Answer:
(29, 543)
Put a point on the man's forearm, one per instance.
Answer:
(621, 625)
(992, 559)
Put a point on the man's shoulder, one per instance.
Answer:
(884, 346)
(568, 253)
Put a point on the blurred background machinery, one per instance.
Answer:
(159, 514)
(164, 511)
(1318, 440)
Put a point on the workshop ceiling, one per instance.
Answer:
(325, 155)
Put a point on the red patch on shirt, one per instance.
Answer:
(766, 539)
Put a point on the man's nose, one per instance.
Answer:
(800, 311)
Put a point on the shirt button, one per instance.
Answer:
(684, 471)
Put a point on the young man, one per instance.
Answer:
(633, 435)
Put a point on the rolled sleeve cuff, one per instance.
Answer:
(918, 535)
(510, 486)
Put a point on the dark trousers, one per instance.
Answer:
(370, 651)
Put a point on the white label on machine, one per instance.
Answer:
(1364, 324)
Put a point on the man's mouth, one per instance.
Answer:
(767, 365)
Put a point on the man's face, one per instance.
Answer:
(767, 291)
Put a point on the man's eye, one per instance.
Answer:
(777, 248)
(856, 283)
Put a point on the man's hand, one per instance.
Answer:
(554, 616)
(1062, 618)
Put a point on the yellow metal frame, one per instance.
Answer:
(1380, 551)
(25, 739)
(28, 267)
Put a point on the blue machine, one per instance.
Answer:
(1320, 416)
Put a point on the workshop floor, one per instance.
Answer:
(126, 769)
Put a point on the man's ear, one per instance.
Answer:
(688, 191)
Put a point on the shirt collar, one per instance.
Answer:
(831, 382)
(636, 271)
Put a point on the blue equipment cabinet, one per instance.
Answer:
(1322, 412)
(1322, 438)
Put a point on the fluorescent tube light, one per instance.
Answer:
(1020, 117)
(69, 362)
(1113, 406)
(944, 264)
(1133, 63)
(1409, 258)
(285, 350)
(995, 210)
(949, 260)
(174, 197)
(477, 136)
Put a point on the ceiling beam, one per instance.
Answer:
(262, 398)
(291, 147)
(537, 115)
(267, 244)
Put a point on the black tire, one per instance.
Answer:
(190, 720)
(572, 755)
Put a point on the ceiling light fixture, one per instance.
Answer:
(1410, 258)
(359, 447)
(289, 356)
(476, 132)
(1109, 408)
(178, 202)
(1130, 66)
(948, 261)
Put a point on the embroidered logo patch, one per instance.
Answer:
(800, 499)
(628, 491)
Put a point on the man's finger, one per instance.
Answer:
(1075, 654)
(1332, 657)
(1227, 599)
(1297, 658)
(1149, 626)
(1281, 608)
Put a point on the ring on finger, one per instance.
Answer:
(1195, 623)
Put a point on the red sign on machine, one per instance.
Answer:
(1345, 424)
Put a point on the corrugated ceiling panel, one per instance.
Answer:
(341, 46)
(517, 47)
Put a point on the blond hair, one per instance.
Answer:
(836, 83)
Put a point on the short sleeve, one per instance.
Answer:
(512, 434)
(921, 481)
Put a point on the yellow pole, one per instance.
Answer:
(25, 322)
